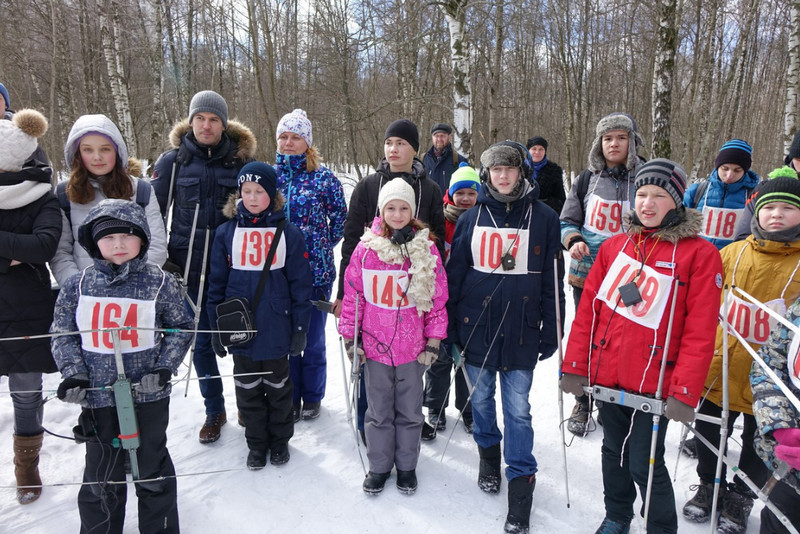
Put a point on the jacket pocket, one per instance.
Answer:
(187, 191)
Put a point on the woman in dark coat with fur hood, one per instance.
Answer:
(30, 227)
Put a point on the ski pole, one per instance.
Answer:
(198, 307)
(723, 423)
(355, 374)
(658, 396)
(559, 333)
(480, 371)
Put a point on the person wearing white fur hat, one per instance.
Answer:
(100, 168)
(396, 283)
(30, 226)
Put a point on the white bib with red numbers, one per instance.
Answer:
(604, 217)
(753, 323)
(719, 223)
(489, 245)
(251, 246)
(386, 289)
(654, 287)
(95, 313)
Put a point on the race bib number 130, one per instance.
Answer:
(98, 313)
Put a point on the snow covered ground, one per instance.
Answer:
(319, 490)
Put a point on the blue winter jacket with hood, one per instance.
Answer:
(136, 280)
(505, 320)
(285, 305)
(721, 195)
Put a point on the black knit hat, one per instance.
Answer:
(441, 127)
(108, 225)
(404, 129)
(794, 150)
(537, 140)
(781, 189)
(260, 173)
(737, 152)
(665, 174)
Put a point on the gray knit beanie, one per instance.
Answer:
(209, 102)
(95, 124)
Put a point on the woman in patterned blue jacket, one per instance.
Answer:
(315, 204)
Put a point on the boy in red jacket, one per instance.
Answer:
(620, 343)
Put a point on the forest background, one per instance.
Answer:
(693, 73)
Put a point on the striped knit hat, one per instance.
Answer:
(464, 178)
(665, 174)
(735, 151)
(781, 189)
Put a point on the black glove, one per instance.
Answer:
(172, 267)
(79, 383)
(155, 381)
(219, 348)
(574, 384)
(679, 411)
(546, 350)
(297, 344)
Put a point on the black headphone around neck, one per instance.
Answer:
(403, 235)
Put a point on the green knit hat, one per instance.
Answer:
(780, 189)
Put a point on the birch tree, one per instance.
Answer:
(455, 12)
(792, 77)
(663, 72)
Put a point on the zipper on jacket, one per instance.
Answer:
(525, 299)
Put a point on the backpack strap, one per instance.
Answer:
(143, 190)
(270, 255)
(583, 184)
(699, 192)
(63, 200)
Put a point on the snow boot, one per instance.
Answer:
(437, 421)
(689, 447)
(311, 410)
(256, 459)
(520, 499)
(26, 467)
(428, 432)
(489, 468)
(211, 429)
(609, 526)
(698, 508)
(407, 481)
(578, 422)
(279, 454)
(374, 482)
(736, 507)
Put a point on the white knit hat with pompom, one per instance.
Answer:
(19, 137)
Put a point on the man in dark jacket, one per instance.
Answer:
(194, 179)
(441, 160)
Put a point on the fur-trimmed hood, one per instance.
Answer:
(231, 208)
(689, 224)
(236, 131)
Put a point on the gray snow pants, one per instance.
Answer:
(393, 422)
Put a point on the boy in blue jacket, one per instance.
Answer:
(121, 290)
(282, 314)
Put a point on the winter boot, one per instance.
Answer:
(279, 454)
(26, 467)
(609, 526)
(689, 447)
(489, 468)
(407, 481)
(374, 482)
(256, 459)
(428, 432)
(578, 422)
(520, 499)
(736, 506)
(698, 508)
(439, 422)
(211, 429)
(310, 410)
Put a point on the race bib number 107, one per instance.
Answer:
(489, 245)
(99, 313)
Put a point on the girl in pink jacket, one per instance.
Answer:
(395, 277)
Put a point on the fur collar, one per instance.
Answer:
(689, 225)
(422, 276)
(237, 132)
